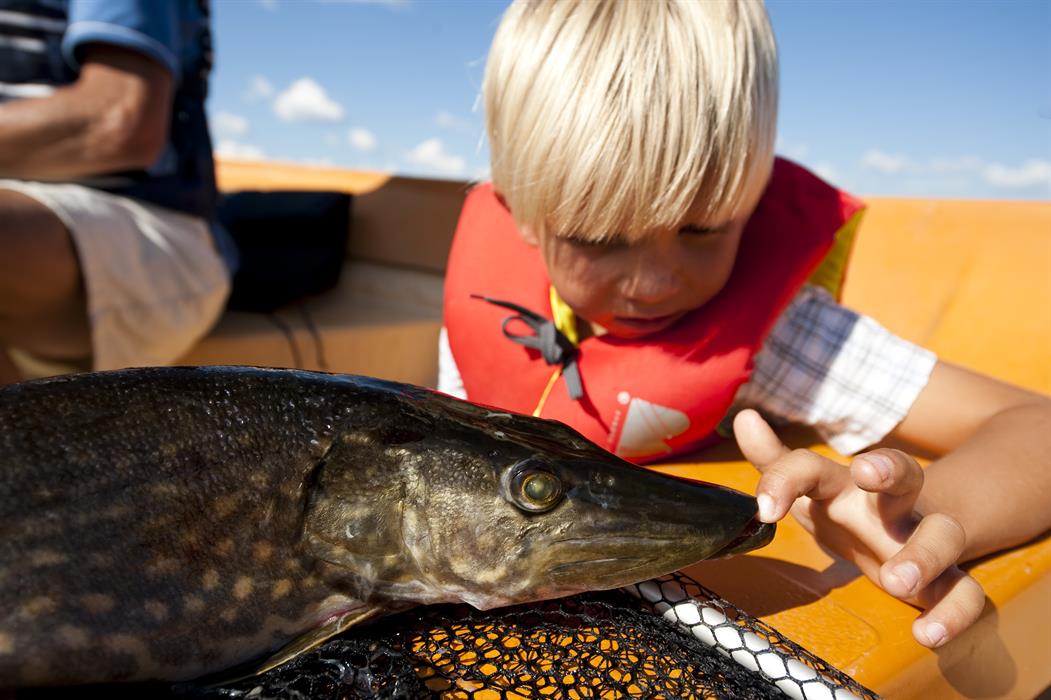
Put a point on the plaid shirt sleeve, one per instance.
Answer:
(838, 371)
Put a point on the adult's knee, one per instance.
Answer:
(39, 270)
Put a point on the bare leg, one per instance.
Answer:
(8, 375)
(42, 301)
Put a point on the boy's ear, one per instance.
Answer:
(528, 234)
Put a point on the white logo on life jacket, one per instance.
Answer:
(648, 427)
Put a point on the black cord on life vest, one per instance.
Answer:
(553, 345)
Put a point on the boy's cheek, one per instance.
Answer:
(586, 278)
(585, 302)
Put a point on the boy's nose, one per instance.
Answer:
(650, 288)
(653, 280)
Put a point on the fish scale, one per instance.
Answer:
(166, 523)
(169, 517)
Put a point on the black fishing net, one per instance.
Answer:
(669, 638)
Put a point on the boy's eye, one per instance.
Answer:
(596, 244)
(694, 230)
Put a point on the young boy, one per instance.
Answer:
(660, 262)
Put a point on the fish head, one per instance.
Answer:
(494, 508)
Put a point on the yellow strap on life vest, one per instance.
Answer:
(547, 390)
(831, 271)
(566, 322)
(563, 316)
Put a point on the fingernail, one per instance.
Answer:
(766, 507)
(881, 463)
(935, 634)
(909, 575)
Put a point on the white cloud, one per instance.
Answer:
(884, 162)
(963, 164)
(795, 151)
(305, 100)
(385, 3)
(361, 139)
(259, 88)
(431, 154)
(958, 174)
(450, 121)
(230, 125)
(826, 171)
(228, 148)
(1030, 174)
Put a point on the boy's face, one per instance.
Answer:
(637, 289)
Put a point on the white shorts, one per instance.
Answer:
(154, 281)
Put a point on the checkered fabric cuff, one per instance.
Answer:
(838, 371)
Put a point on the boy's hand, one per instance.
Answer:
(865, 514)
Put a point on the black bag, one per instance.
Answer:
(292, 245)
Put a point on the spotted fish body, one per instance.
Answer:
(172, 522)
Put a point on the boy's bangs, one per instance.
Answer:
(617, 120)
(628, 206)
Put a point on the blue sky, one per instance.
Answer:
(921, 98)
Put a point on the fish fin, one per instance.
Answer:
(318, 636)
(299, 645)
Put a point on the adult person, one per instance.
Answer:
(108, 253)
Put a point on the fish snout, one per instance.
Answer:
(707, 520)
(755, 534)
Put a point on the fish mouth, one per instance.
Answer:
(617, 569)
(755, 534)
(614, 568)
(603, 564)
(652, 524)
(610, 540)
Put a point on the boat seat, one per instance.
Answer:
(383, 317)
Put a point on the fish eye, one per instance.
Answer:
(534, 488)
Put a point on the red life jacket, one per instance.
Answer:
(666, 393)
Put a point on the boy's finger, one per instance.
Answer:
(891, 473)
(957, 600)
(757, 440)
(934, 547)
(798, 473)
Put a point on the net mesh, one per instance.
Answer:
(667, 638)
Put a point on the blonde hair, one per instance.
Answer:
(613, 117)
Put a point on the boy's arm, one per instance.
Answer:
(907, 528)
(995, 475)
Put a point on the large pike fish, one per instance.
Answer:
(169, 523)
